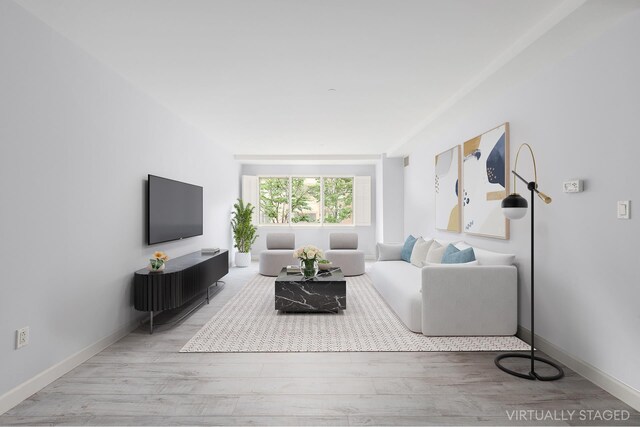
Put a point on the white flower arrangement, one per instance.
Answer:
(308, 253)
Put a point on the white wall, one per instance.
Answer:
(77, 142)
(390, 201)
(318, 235)
(580, 115)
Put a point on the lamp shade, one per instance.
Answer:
(514, 206)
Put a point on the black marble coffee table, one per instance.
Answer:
(327, 292)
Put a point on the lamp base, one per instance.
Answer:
(533, 375)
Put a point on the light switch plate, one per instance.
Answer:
(624, 209)
(573, 186)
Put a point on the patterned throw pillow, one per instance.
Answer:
(453, 255)
(408, 248)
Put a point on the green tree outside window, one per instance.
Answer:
(305, 200)
(274, 200)
(305, 204)
(338, 200)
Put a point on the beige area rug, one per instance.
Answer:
(249, 323)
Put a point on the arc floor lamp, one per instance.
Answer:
(514, 206)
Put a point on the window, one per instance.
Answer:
(305, 200)
(274, 200)
(338, 200)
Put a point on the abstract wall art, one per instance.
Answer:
(447, 182)
(486, 183)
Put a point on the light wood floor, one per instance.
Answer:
(142, 379)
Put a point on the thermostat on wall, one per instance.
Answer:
(573, 186)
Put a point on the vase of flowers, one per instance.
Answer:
(157, 263)
(309, 256)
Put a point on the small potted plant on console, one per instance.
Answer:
(157, 263)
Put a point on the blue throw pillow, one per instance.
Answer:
(408, 248)
(453, 255)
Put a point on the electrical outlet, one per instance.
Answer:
(22, 337)
(624, 209)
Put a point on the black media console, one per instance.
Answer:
(182, 280)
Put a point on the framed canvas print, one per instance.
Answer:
(486, 183)
(447, 182)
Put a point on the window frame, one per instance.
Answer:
(307, 224)
(273, 224)
(321, 224)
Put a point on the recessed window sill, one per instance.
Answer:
(307, 225)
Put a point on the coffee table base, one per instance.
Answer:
(310, 296)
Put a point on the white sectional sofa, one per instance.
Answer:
(452, 299)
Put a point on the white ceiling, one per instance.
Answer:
(254, 75)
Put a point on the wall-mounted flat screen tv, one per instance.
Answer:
(174, 210)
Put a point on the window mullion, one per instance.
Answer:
(353, 200)
(321, 200)
(290, 199)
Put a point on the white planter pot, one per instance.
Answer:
(160, 270)
(243, 259)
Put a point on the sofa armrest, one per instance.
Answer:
(469, 300)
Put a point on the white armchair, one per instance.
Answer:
(343, 252)
(279, 253)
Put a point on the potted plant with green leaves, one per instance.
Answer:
(244, 232)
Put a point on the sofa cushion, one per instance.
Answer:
(453, 255)
(408, 248)
(464, 264)
(486, 257)
(419, 252)
(436, 251)
(390, 251)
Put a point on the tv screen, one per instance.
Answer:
(174, 210)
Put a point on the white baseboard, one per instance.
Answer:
(25, 390)
(622, 391)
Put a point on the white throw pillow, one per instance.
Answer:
(462, 245)
(435, 254)
(419, 252)
(486, 257)
(390, 251)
